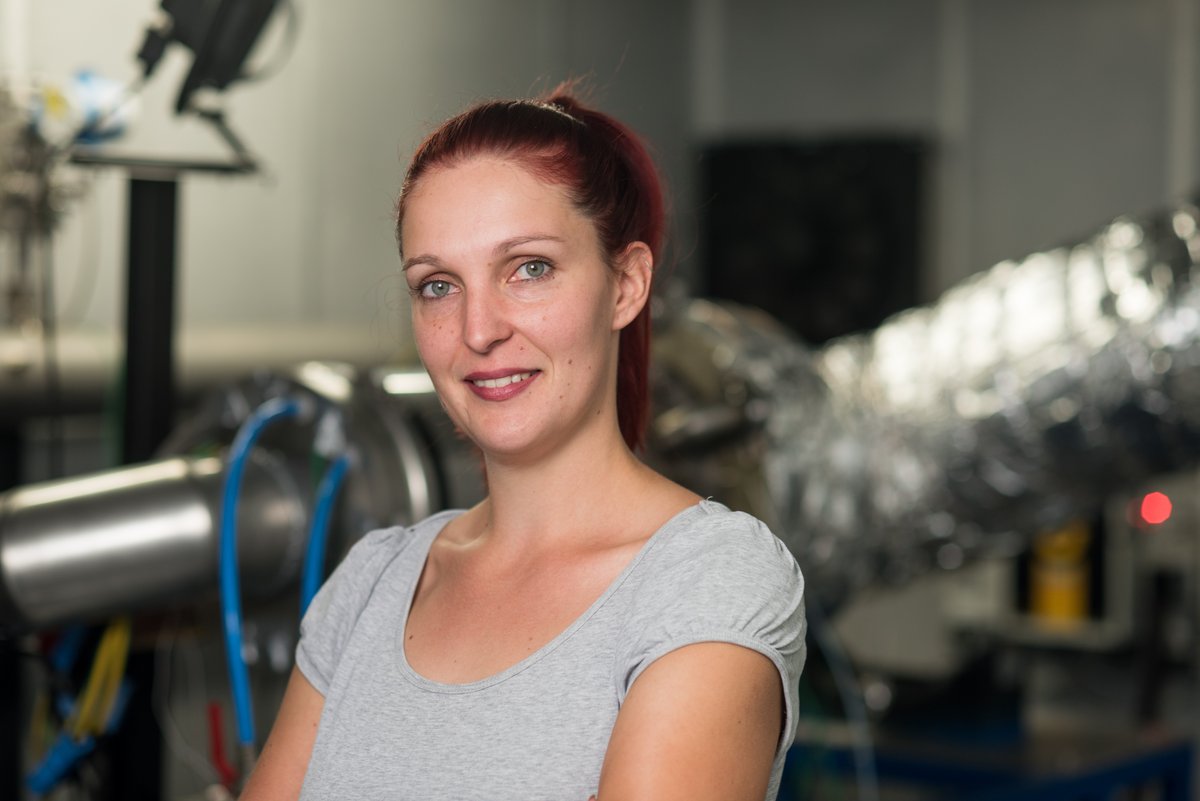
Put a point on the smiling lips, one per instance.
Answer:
(503, 381)
(500, 387)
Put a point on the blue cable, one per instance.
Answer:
(231, 600)
(67, 752)
(314, 556)
(58, 762)
(62, 659)
(62, 656)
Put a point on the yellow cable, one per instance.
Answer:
(92, 723)
(115, 673)
(104, 680)
(81, 714)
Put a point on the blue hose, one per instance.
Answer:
(63, 755)
(314, 557)
(231, 600)
(66, 752)
(62, 659)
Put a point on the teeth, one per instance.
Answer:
(493, 383)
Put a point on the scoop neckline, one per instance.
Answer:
(703, 505)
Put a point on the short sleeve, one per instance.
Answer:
(330, 619)
(727, 578)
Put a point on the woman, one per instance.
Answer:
(589, 628)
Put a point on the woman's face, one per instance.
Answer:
(515, 312)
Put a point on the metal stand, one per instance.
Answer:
(10, 719)
(148, 405)
(10, 660)
(149, 380)
(149, 399)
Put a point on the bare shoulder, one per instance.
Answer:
(702, 744)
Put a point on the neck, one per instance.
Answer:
(563, 497)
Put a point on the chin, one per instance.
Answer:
(516, 446)
(498, 440)
(509, 449)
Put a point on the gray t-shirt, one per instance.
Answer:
(537, 731)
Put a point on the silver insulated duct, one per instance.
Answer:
(1024, 396)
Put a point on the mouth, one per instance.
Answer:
(502, 381)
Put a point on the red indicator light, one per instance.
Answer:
(1156, 508)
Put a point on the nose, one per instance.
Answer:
(486, 324)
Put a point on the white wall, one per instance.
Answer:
(1046, 118)
(310, 239)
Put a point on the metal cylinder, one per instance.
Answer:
(132, 538)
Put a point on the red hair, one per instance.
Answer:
(610, 177)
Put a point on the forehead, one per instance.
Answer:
(486, 197)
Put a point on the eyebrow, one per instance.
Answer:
(426, 259)
(518, 241)
(500, 249)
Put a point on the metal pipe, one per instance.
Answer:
(208, 357)
(132, 538)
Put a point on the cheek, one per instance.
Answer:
(432, 351)
(582, 320)
(431, 333)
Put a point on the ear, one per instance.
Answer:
(634, 272)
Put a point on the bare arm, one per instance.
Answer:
(280, 769)
(701, 723)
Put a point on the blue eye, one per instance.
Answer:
(532, 270)
(435, 289)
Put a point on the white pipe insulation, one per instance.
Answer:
(88, 361)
